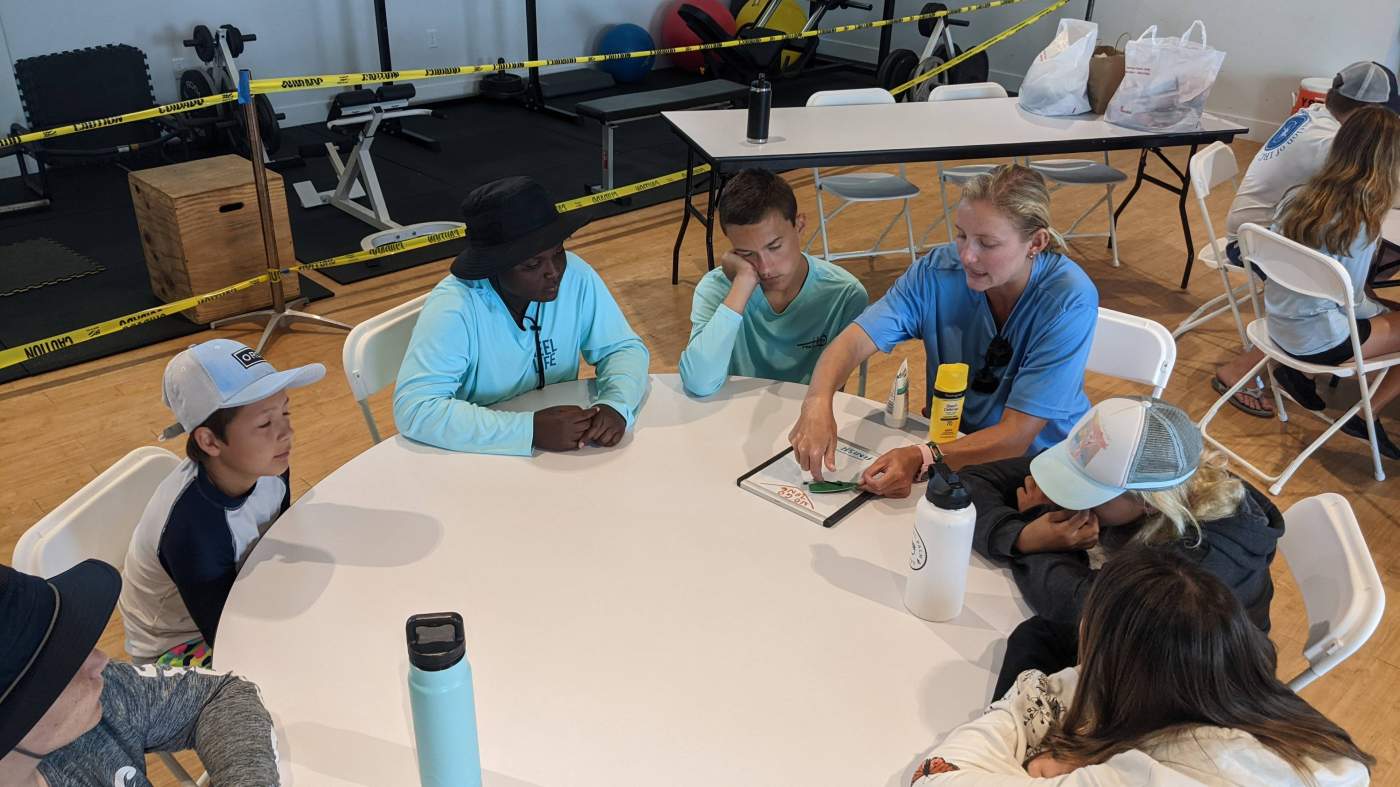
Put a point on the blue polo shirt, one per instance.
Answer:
(1050, 330)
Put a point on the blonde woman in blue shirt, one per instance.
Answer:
(769, 310)
(514, 315)
(1004, 299)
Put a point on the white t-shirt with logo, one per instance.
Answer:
(1292, 155)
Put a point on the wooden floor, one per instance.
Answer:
(61, 429)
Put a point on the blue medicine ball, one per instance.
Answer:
(626, 38)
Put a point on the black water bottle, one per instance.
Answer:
(760, 102)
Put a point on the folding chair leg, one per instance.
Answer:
(821, 211)
(1234, 306)
(1112, 225)
(909, 225)
(369, 421)
(947, 216)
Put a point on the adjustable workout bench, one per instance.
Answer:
(613, 111)
(355, 175)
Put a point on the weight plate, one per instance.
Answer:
(974, 69)
(194, 83)
(926, 25)
(234, 37)
(204, 43)
(920, 91)
(896, 69)
(267, 123)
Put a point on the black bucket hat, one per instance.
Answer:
(50, 627)
(509, 221)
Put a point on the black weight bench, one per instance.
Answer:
(613, 111)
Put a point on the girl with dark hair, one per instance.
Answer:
(1175, 685)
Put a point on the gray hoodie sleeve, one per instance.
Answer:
(218, 715)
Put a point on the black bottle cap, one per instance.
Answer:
(945, 489)
(436, 640)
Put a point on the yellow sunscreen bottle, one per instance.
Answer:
(945, 413)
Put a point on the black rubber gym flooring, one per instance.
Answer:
(92, 216)
(481, 141)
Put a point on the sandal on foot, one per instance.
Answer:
(1256, 392)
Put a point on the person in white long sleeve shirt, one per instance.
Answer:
(1174, 686)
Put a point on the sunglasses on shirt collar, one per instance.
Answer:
(998, 355)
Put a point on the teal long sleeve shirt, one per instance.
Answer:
(760, 342)
(468, 353)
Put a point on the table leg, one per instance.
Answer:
(685, 216)
(1185, 221)
(716, 186)
(1137, 184)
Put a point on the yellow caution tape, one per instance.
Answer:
(32, 350)
(42, 347)
(287, 84)
(116, 120)
(998, 38)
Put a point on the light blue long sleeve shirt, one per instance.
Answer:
(468, 353)
(760, 342)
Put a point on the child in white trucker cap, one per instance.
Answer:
(1131, 471)
(208, 513)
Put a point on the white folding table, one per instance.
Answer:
(919, 131)
(633, 617)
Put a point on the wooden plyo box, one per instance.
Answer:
(200, 231)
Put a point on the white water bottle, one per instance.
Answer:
(942, 548)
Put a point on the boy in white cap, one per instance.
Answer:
(1131, 471)
(208, 513)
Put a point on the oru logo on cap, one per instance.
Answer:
(248, 357)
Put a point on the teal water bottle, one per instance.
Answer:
(444, 705)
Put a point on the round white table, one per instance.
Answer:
(633, 617)
(1390, 229)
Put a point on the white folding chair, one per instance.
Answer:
(1062, 172)
(1341, 588)
(1132, 348)
(373, 352)
(1305, 271)
(97, 522)
(861, 186)
(1210, 168)
(963, 173)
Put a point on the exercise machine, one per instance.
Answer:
(804, 48)
(219, 52)
(902, 65)
(367, 111)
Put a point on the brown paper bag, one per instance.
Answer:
(1105, 72)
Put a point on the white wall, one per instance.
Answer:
(297, 37)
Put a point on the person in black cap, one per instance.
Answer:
(68, 716)
(515, 314)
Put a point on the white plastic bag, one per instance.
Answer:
(1166, 82)
(1057, 80)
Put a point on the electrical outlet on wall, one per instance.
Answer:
(432, 38)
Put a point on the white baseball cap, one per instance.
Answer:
(1122, 444)
(222, 373)
(1370, 83)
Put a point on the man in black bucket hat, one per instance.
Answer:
(68, 716)
(515, 314)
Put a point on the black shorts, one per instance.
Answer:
(1340, 354)
(1232, 253)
